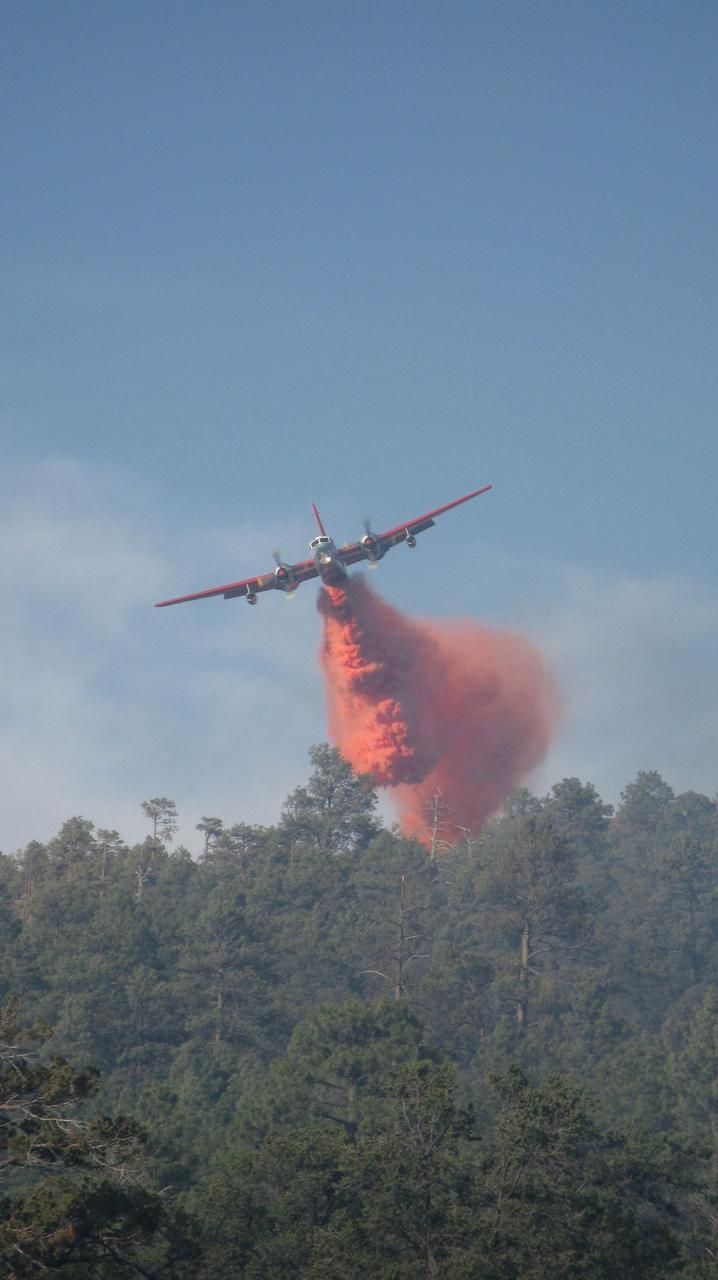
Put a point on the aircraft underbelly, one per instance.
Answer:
(332, 573)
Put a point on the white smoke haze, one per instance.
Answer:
(105, 701)
(636, 661)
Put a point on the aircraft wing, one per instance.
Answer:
(354, 551)
(263, 582)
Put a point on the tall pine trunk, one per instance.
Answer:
(522, 998)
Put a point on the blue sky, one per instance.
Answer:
(370, 254)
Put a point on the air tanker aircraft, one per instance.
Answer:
(328, 561)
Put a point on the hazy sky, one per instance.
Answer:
(370, 254)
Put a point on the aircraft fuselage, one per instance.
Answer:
(327, 559)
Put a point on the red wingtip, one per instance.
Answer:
(318, 519)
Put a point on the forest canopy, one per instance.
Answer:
(317, 1049)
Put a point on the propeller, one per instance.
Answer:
(373, 563)
(277, 557)
(285, 576)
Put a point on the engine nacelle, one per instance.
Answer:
(284, 578)
(372, 546)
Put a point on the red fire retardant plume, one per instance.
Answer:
(451, 712)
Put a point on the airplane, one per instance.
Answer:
(328, 561)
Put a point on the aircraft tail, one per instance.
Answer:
(318, 519)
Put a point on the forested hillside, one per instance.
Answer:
(321, 1050)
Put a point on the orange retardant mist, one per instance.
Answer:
(455, 710)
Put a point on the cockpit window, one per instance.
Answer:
(319, 542)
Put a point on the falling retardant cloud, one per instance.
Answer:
(450, 713)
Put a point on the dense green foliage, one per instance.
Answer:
(346, 1058)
